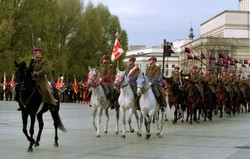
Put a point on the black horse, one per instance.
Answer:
(29, 99)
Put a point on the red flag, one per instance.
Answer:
(59, 82)
(75, 85)
(12, 82)
(187, 50)
(190, 56)
(212, 57)
(117, 49)
(221, 55)
(196, 57)
(229, 58)
(232, 63)
(4, 81)
(245, 61)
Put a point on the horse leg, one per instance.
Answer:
(188, 113)
(41, 124)
(146, 122)
(107, 121)
(54, 116)
(117, 119)
(130, 120)
(123, 122)
(99, 122)
(25, 121)
(32, 140)
(140, 123)
(94, 118)
(191, 116)
(137, 122)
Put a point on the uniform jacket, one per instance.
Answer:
(153, 73)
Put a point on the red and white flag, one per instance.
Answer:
(117, 50)
(12, 82)
(59, 82)
(4, 81)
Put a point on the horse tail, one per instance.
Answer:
(59, 122)
(57, 119)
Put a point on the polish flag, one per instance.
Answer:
(4, 81)
(117, 50)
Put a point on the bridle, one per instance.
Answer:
(21, 90)
(143, 89)
(94, 82)
(120, 83)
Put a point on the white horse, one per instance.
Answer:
(126, 101)
(149, 106)
(98, 101)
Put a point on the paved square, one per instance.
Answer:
(226, 138)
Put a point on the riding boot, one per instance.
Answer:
(163, 103)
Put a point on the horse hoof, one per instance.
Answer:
(56, 145)
(98, 136)
(182, 121)
(132, 130)
(30, 149)
(116, 132)
(123, 136)
(105, 132)
(160, 136)
(147, 136)
(157, 134)
(36, 144)
(138, 134)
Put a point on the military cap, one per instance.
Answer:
(176, 67)
(105, 57)
(132, 58)
(153, 58)
(37, 49)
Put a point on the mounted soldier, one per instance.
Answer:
(133, 71)
(211, 79)
(196, 78)
(40, 67)
(153, 73)
(226, 81)
(106, 72)
(176, 75)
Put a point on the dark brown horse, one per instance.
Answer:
(223, 98)
(176, 98)
(209, 101)
(193, 101)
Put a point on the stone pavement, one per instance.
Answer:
(226, 138)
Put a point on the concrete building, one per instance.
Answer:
(142, 56)
(227, 33)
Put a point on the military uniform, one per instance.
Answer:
(227, 81)
(153, 73)
(211, 80)
(40, 68)
(196, 78)
(175, 76)
(106, 71)
(132, 80)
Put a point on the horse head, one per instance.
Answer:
(20, 75)
(92, 77)
(120, 78)
(142, 84)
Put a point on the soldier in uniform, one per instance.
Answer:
(226, 81)
(195, 77)
(106, 71)
(133, 78)
(153, 73)
(176, 74)
(40, 66)
(210, 78)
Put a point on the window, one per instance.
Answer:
(166, 73)
(166, 66)
(173, 66)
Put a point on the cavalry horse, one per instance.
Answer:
(148, 105)
(209, 101)
(223, 98)
(29, 99)
(176, 98)
(126, 101)
(99, 101)
(193, 101)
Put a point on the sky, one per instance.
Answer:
(148, 22)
